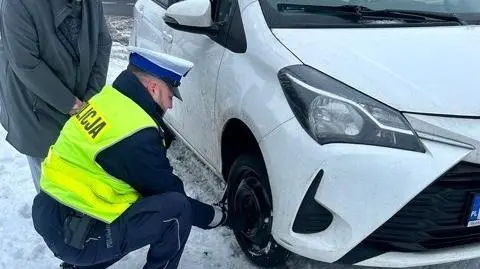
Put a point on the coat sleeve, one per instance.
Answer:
(98, 76)
(22, 52)
(150, 171)
(140, 160)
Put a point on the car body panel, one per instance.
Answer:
(151, 32)
(348, 189)
(451, 130)
(413, 69)
(243, 92)
(150, 29)
(198, 90)
(402, 260)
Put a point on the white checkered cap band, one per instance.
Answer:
(174, 64)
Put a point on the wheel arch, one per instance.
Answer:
(237, 138)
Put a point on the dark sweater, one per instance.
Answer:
(69, 29)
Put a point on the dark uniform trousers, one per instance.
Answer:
(161, 221)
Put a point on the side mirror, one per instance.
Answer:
(193, 16)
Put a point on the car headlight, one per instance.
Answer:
(332, 112)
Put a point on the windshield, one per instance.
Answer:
(377, 13)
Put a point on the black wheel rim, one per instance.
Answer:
(251, 200)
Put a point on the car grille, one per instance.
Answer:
(436, 218)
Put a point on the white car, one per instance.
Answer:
(348, 130)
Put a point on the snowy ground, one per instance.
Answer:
(21, 247)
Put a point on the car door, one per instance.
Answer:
(198, 88)
(150, 27)
(151, 32)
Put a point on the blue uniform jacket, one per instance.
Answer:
(140, 160)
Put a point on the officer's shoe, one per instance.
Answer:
(65, 265)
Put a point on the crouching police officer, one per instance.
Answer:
(107, 186)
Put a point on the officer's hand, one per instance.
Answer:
(168, 136)
(231, 220)
(168, 141)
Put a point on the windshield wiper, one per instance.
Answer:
(362, 12)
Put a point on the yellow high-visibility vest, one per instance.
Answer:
(70, 173)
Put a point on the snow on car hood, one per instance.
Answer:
(422, 69)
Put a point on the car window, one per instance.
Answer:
(231, 35)
(452, 6)
(319, 13)
(222, 9)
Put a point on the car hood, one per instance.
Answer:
(413, 69)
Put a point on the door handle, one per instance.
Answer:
(167, 37)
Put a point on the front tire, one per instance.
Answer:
(249, 195)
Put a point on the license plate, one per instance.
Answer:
(474, 217)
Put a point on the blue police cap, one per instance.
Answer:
(166, 67)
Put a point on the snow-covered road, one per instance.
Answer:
(21, 247)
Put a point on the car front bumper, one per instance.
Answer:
(361, 186)
(402, 259)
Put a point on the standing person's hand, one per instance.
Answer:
(76, 108)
